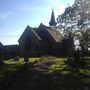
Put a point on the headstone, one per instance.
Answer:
(16, 58)
(26, 59)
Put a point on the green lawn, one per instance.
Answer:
(10, 66)
(20, 75)
(67, 78)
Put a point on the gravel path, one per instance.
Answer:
(44, 65)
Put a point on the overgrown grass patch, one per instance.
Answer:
(33, 60)
(59, 64)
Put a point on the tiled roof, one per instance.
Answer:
(55, 34)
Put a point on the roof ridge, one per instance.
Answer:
(36, 34)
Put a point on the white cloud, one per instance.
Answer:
(57, 6)
(5, 15)
(60, 5)
(34, 8)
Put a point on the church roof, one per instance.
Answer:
(12, 48)
(34, 31)
(41, 33)
(55, 34)
(27, 32)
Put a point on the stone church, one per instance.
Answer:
(44, 40)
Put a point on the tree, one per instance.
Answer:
(83, 12)
(65, 21)
(74, 18)
(1, 53)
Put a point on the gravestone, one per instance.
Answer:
(26, 59)
(16, 58)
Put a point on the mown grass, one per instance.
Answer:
(64, 76)
(60, 75)
(11, 66)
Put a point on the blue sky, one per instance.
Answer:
(15, 15)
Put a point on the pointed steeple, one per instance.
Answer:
(52, 21)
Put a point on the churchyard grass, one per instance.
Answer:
(60, 75)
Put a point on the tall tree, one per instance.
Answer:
(84, 20)
(75, 17)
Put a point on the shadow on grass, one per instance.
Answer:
(25, 78)
(64, 78)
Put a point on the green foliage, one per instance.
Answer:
(75, 17)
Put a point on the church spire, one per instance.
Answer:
(52, 21)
